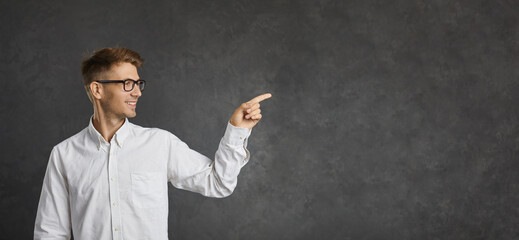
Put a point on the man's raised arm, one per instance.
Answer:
(190, 170)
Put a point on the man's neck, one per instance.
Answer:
(105, 125)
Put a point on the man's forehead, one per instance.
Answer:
(123, 71)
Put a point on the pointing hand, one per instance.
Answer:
(247, 115)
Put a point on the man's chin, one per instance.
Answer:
(131, 115)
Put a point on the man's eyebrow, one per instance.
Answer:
(132, 79)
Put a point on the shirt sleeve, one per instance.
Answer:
(53, 215)
(190, 170)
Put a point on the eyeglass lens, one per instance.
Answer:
(130, 84)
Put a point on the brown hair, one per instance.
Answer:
(101, 61)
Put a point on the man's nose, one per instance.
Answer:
(136, 92)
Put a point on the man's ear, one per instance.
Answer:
(96, 89)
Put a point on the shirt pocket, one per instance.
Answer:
(147, 189)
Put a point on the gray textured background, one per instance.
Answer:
(389, 119)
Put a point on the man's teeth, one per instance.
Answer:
(131, 103)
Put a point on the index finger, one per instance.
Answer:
(260, 98)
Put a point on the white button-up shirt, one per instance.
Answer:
(118, 190)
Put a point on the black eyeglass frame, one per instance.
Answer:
(135, 82)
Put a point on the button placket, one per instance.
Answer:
(114, 193)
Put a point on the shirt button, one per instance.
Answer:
(113, 179)
(111, 153)
(115, 204)
(116, 229)
(241, 137)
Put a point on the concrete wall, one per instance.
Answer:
(389, 119)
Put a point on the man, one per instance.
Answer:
(109, 181)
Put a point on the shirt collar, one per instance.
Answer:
(120, 135)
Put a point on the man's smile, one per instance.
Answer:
(132, 103)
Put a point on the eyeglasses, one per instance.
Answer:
(128, 84)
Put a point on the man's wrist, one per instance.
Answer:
(235, 135)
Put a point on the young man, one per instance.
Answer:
(109, 181)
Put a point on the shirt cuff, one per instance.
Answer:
(236, 135)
